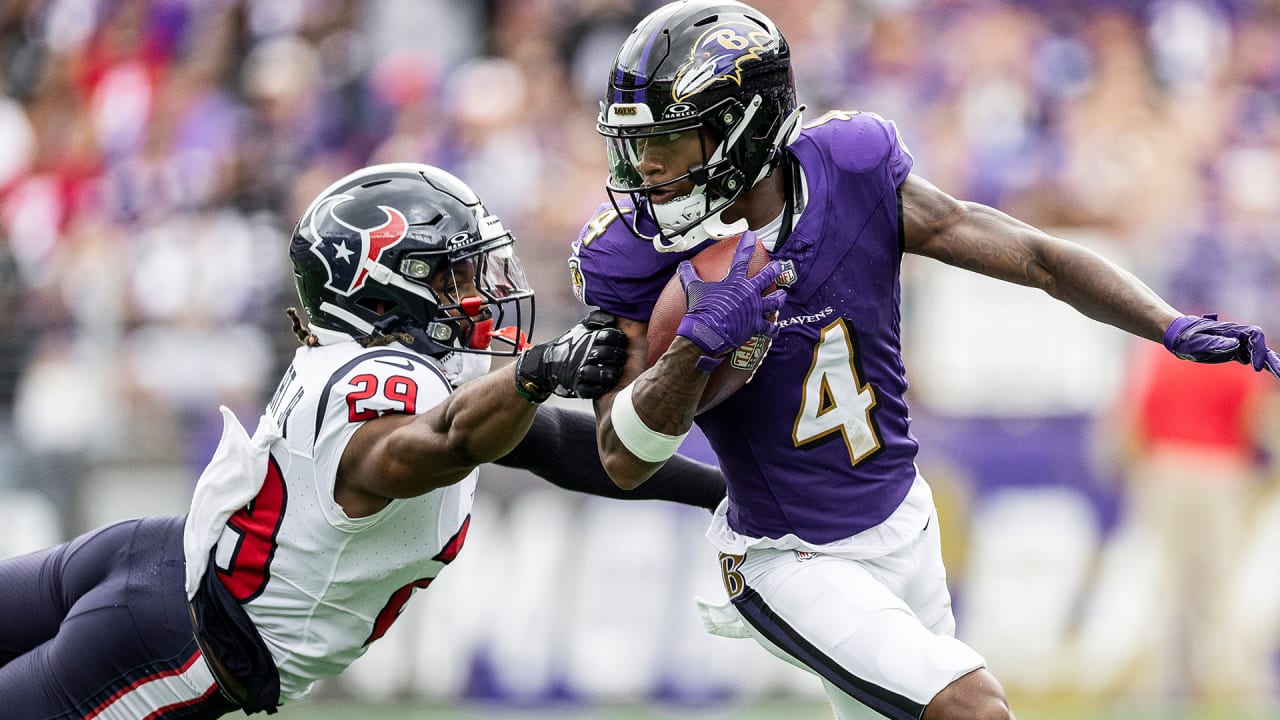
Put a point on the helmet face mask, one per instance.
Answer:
(407, 251)
(721, 68)
(475, 288)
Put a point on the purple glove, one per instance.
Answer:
(724, 315)
(1205, 340)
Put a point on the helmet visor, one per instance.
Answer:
(629, 143)
(627, 155)
(501, 275)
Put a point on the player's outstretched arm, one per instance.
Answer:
(982, 239)
(560, 448)
(642, 425)
(985, 240)
(399, 455)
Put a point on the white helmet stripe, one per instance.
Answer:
(348, 317)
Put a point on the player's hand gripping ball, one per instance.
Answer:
(725, 300)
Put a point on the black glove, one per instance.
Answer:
(584, 362)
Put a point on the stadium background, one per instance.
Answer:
(153, 155)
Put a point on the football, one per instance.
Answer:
(711, 264)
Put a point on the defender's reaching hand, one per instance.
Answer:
(1207, 340)
(584, 362)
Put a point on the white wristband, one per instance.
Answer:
(644, 442)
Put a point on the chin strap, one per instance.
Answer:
(712, 228)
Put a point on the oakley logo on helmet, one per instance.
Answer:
(719, 55)
(679, 110)
(347, 266)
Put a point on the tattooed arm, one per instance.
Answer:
(979, 238)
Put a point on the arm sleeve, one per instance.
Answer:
(561, 448)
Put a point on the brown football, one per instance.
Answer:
(711, 264)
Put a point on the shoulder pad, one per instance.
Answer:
(859, 141)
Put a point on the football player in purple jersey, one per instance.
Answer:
(305, 539)
(828, 536)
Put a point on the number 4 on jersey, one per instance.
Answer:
(835, 399)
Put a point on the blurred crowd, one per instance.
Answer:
(154, 155)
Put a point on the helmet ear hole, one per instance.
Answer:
(376, 305)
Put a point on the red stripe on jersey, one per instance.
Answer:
(454, 546)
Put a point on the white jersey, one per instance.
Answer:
(319, 585)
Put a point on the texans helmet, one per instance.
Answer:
(407, 250)
(713, 66)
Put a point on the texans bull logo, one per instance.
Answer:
(720, 56)
(348, 266)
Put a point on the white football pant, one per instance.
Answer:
(879, 632)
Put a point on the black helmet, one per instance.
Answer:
(712, 65)
(407, 249)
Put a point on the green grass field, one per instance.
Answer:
(320, 709)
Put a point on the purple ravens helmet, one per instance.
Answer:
(718, 67)
(407, 249)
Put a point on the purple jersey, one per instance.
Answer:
(818, 444)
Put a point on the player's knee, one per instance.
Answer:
(991, 709)
(987, 707)
(974, 696)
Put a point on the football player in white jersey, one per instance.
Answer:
(305, 539)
